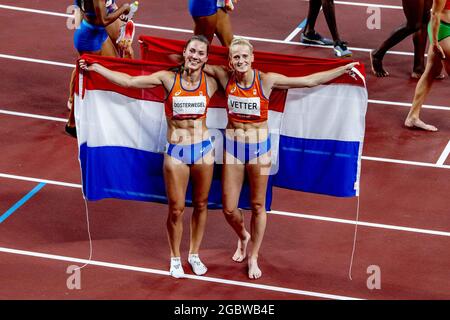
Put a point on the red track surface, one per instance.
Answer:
(297, 253)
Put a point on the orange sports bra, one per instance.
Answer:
(187, 104)
(246, 104)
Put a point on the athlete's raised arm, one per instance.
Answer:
(125, 80)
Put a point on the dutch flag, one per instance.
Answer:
(316, 133)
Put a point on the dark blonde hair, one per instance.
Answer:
(200, 38)
(241, 42)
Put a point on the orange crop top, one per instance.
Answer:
(187, 104)
(246, 104)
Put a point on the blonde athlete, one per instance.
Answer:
(247, 140)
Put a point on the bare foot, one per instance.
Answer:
(417, 75)
(241, 251)
(377, 66)
(253, 270)
(417, 123)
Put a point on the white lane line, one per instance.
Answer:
(52, 182)
(293, 34)
(407, 162)
(282, 213)
(393, 103)
(165, 273)
(378, 159)
(50, 13)
(444, 155)
(30, 115)
(190, 31)
(297, 43)
(360, 4)
(60, 64)
(298, 29)
(407, 104)
(362, 223)
(276, 41)
(150, 26)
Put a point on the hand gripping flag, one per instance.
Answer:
(316, 133)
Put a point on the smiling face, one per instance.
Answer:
(241, 57)
(195, 55)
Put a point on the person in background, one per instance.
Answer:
(123, 48)
(92, 37)
(417, 13)
(212, 17)
(438, 56)
(309, 34)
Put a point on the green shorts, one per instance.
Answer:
(444, 31)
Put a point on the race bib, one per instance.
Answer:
(244, 106)
(189, 105)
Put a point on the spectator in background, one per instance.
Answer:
(211, 17)
(438, 55)
(417, 13)
(310, 36)
(113, 31)
(92, 37)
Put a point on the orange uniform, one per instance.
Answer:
(187, 104)
(246, 104)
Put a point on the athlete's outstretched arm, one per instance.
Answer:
(125, 80)
(279, 81)
(218, 72)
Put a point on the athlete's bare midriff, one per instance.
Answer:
(186, 131)
(247, 132)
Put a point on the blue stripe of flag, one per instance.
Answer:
(318, 166)
(131, 174)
